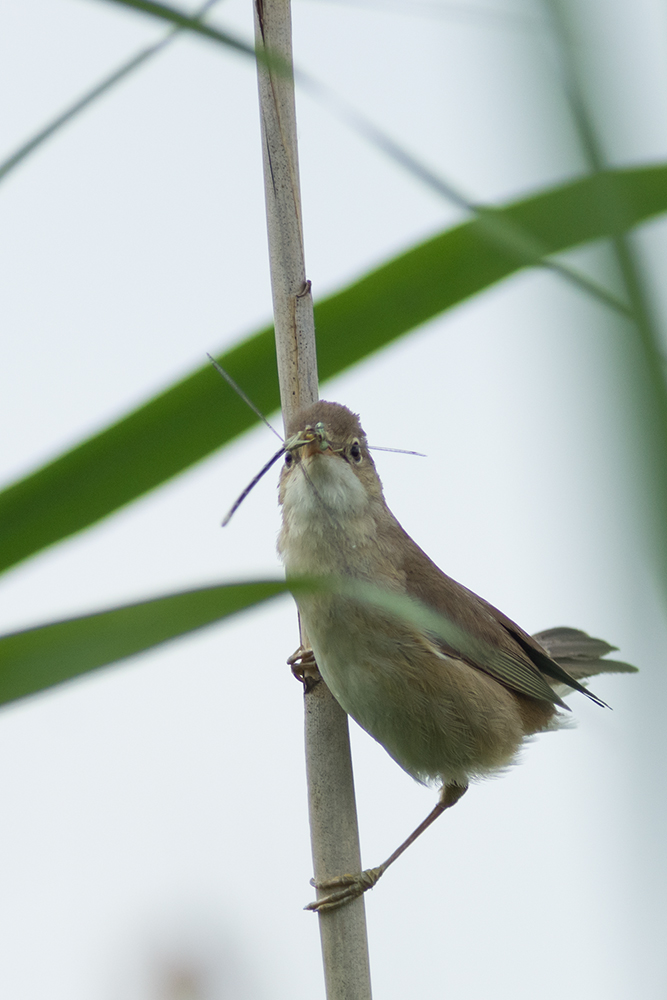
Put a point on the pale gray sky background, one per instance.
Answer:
(153, 815)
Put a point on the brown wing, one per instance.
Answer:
(493, 642)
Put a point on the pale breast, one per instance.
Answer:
(439, 718)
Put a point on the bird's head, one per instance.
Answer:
(327, 464)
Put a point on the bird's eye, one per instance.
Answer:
(289, 458)
(355, 451)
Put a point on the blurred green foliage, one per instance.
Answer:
(200, 414)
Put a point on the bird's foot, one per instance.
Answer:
(304, 667)
(344, 888)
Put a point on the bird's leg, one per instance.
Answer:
(345, 888)
(304, 667)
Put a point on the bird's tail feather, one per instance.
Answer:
(580, 654)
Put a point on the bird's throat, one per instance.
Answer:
(328, 518)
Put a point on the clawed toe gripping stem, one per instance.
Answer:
(344, 888)
(304, 667)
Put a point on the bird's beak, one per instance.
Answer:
(312, 440)
(316, 447)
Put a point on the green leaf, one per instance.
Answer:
(194, 417)
(13, 161)
(192, 22)
(129, 66)
(38, 658)
(182, 19)
(498, 228)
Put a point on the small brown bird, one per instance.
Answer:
(447, 713)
